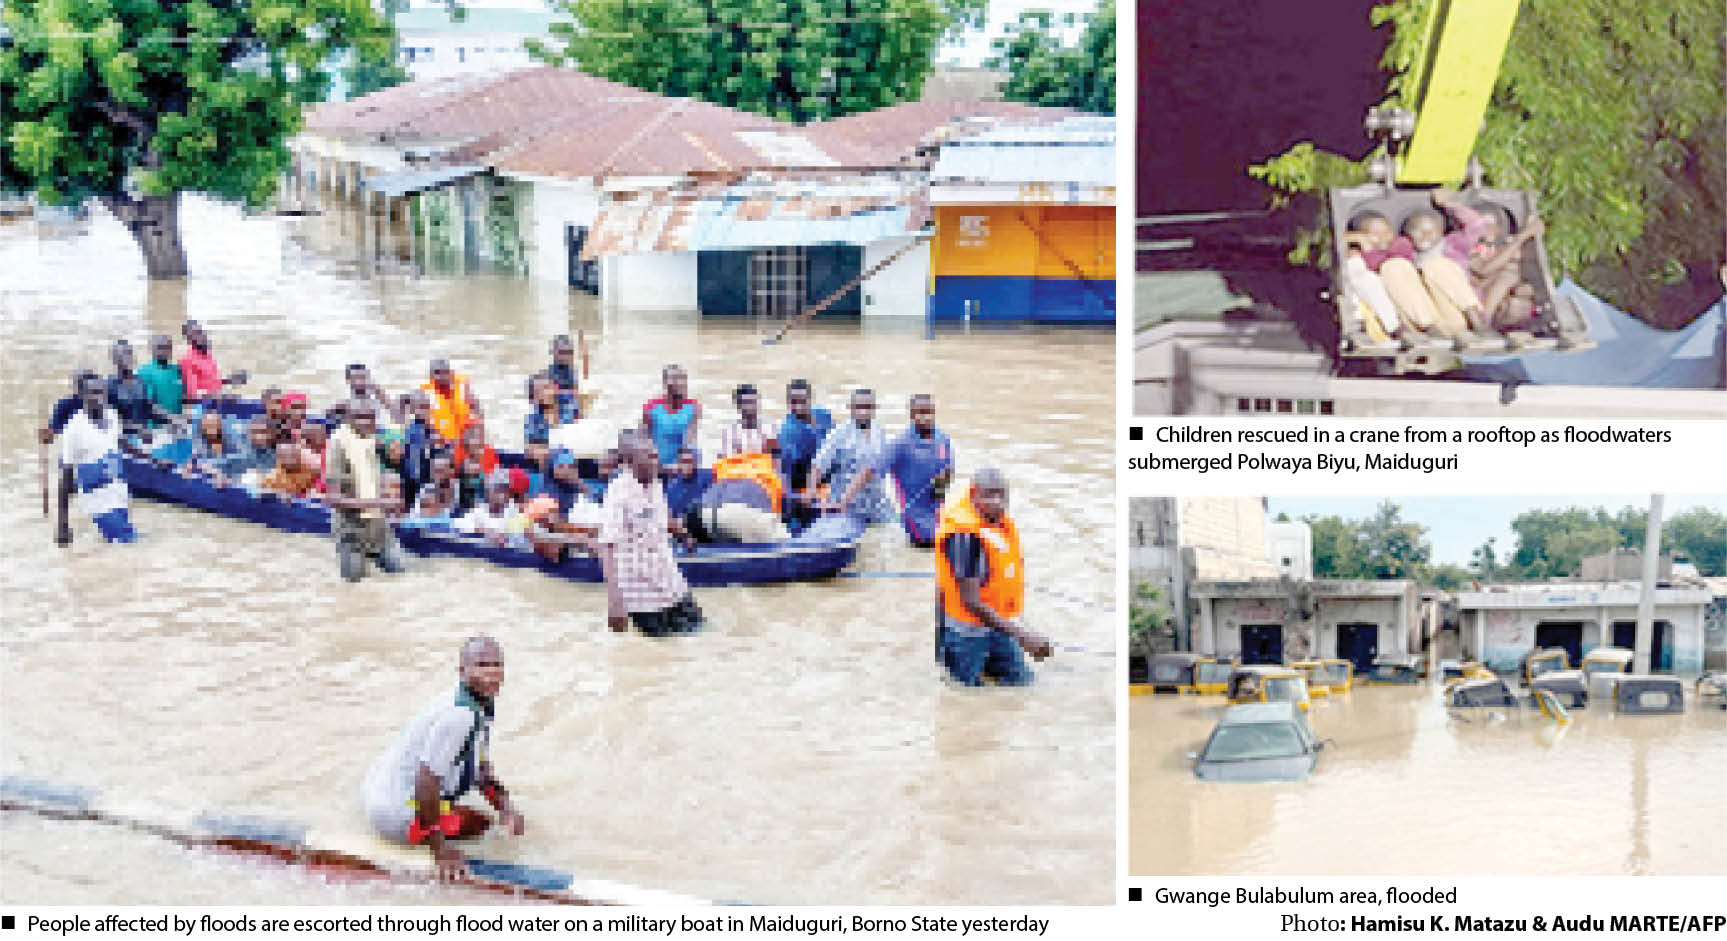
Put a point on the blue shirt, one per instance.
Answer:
(683, 492)
(669, 427)
(847, 452)
(915, 462)
(799, 439)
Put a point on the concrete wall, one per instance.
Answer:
(902, 288)
(1227, 535)
(1502, 637)
(1290, 548)
(1229, 615)
(650, 281)
(552, 206)
(1387, 613)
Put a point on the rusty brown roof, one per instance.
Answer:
(897, 132)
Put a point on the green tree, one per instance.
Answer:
(1611, 111)
(1042, 70)
(1147, 617)
(797, 60)
(1337, 549)
(364, 75)
(133, 102)
(1484, 560)
(1384, 545)
(1552, 543)
(1700, 534)
(1448, 577)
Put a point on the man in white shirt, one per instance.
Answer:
(90, 466)
(411, 791)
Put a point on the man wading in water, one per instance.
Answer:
(351, 478)
(90, 466)
(980, 577)
(442, 753)
(643, 584)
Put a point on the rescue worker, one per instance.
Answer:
(980, 583)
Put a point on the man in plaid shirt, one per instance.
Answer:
(643, 583)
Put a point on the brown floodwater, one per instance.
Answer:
(803, 749)
(1409, 790)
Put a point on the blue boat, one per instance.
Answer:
(822, 550)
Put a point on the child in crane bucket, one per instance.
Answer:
(1496, 268)
(1381, 271)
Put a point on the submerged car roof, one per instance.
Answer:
(1254, 713)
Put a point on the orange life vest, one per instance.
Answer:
(1004, 588)
(758, 468)
(450, 414)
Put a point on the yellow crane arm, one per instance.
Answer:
(1460, 58)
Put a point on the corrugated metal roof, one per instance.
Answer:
(400, 184)
(1076, 150)
(756, 217)
(898, 132)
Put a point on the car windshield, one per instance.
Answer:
(1600, 666)
(1251, 742)
(1287, 687)
(1545, 665)
(1212, 672)
(1334, 674)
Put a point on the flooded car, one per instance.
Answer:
(1569, 687)
(1311, 671)
(1171, 672)
(1542, 661)
(1261, 683)
(1211, 677)
(1642, 695)
(1606, 660)
(1471, 694)
(1712, 689)
(1269, 741)
(1396, 670)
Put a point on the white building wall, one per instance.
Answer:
(554, 205)
(1502, 637)
(902, 288)
(432, 55)
(649, 281)
(1290, 548)
(1383, 612)
(1227, 535)
(1229, 615)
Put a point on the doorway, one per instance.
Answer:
(1262, 643)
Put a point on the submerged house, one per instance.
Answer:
(658, 202)
(1500, 624)
(1272, 620)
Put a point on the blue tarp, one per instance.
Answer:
(1628, 352)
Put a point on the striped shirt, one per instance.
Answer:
(92, 450)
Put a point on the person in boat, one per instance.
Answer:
(294, 407)
(546, 410)
(90, 466)
(258, 457)
(850, 459)
(921, 462)
(395, 497)
(439, 500)
(361, 386)
(980, 583)
(452, 401)
(211, 447)
(563, 373)
(353, 488)
(472, 484)
(607, 468)
(497, 518)
(201, 376)
(686, 484)
(670, 420)
(745, 435)
(473, 444)
(128, 395)
(292, 477)
(643, 583)
(315, 438)
(801, 434)
(163, 384)
(412, 789)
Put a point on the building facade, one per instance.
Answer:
(1501, 624)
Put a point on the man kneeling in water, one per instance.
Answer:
(442, 753)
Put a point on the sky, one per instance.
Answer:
(1456, 525)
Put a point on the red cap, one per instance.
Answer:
(518, 481)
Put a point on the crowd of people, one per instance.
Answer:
(425, 459)
(1455, 273)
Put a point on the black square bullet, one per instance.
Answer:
(8, 922)
(1135, 433)
(1133, 893)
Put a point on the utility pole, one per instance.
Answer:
(1644, 644)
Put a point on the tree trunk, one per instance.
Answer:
(154, 222)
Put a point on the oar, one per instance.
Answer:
(582, 344)
(845, 289)
(42, 454)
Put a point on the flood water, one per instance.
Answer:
(1407, 790)
(804, 749)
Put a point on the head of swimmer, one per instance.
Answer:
(989, 494)
(482, 666)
